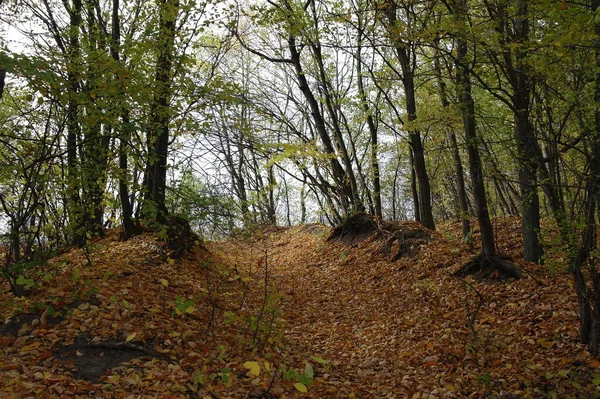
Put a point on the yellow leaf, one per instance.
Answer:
(164, 282)
(254, 367)
(113, 379)
(29, 347)
(190, 309)
(300, 387)
(130, 337)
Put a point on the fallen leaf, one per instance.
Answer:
(253, 367)
(300, 387)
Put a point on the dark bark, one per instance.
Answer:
(475, 168)
(461, 193)
(467, 108)
(487, 263)
(2, 80)
(413, 186)
(405, 54)
(526, 142)
(158, 143)
(336, 168)
(588, 298)
(356, 202)
(129, 228)
(74, 205)
(96, 138)
(376, 181)
(271, 214)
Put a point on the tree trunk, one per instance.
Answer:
(525, 137)
(467, 107)
(161, 110)
(487, 262)
(77, 226)
(588, 298)
(370, 122)
(129, 228)
(458, 168)
(404, 55)
(337, 171)
(413, 186)
(2, 80)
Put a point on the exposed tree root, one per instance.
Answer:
(489, 268)
(356, 228)
(409, 241)
(402, 239)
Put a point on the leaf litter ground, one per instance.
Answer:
(133, 325)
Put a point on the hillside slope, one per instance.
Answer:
(409, 329)
(282, 311)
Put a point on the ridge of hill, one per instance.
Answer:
(281, 311)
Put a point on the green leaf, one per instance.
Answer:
(309, 371)
(563, 373)
(26, 282)
(225, 375)
(319, 360)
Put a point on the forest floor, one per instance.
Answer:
(289, 313)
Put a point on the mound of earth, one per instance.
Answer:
(400, 239)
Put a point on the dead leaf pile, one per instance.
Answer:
(285, 313)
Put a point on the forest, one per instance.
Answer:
(237, 190)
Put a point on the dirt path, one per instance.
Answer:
(344, 308)
(402, 329)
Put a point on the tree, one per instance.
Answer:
(161, 111)
(487, 262)
(405, 52)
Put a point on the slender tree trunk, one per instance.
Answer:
(124, 132)
(467, 105)
(337, 171)
(413, 186)
(458, 168)
(2, 80)
(370, 123)
(486, 262)
(161, 110)
(525, 138)
(95, 158)
(404, 54)
(77, 226)
(588, 298)
(271, 215)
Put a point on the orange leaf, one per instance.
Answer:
(595, 363)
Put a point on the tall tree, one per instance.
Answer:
(465, 102)
(405, 52)
(487, 262)
(368, 112)
(124, 127)
(510, 55)
(161, 111)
